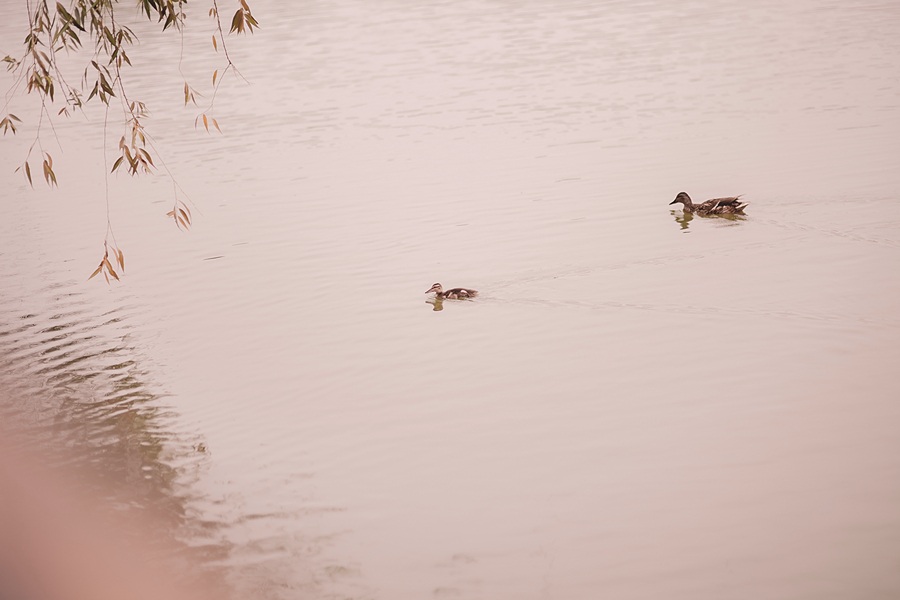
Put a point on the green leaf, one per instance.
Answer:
(62, 10)
(146, 157)
(237, 22)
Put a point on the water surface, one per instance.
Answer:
(638, 404)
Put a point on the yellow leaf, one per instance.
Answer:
(187, 93)
(95, 272)
(215, 43)
(109, 268)
(205, 122)
(121, 259)
(215, 74)
(216, 123)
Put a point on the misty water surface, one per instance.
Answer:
(638, 405)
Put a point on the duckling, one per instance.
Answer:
(452, 294)
(716, 206)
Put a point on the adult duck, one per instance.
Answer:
(716, 206)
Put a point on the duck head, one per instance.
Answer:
(683, 198)
(436, 288)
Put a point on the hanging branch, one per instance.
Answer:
(54, 29)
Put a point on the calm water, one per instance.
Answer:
(639, 405)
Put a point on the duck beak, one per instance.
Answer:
(673, 202)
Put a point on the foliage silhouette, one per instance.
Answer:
(91, 29)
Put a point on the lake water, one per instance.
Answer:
(638, 405)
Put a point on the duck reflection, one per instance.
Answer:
(436, 303)
(683, 219)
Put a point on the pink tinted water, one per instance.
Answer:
(638, 405)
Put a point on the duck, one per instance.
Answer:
(452, 294)
(717, 206)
